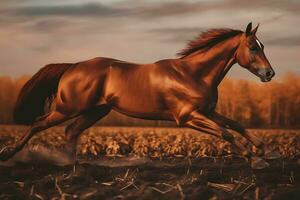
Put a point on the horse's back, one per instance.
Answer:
(105, 81)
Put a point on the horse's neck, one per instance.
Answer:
(211, 66)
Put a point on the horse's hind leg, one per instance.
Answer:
(41, 124)
(84, 121)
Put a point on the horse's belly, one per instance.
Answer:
(140, 105)
(145, 114)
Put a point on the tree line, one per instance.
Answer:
(256, 105)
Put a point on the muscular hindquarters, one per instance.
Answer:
(81, 88)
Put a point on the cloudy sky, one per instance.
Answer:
(37, 32)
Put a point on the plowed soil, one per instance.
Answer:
(147, 163)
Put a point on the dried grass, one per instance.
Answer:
(152, 142)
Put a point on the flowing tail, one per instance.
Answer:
(43, 85)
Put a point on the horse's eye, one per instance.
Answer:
(254, 48)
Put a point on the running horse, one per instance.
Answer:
(184, 90)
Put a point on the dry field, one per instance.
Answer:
(147, 163)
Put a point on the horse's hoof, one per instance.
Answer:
(272, 155)
(246, 154)
(6, 153)
(258, 163)
(260, 152)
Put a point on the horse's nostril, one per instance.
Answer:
(269, 73)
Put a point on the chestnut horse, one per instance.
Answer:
(183, 90)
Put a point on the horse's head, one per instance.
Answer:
(250, 55)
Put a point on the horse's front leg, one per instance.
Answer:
(236, 126)
(202, 123)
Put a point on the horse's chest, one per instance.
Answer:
(208, 101)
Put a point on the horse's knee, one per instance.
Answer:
(227, 136)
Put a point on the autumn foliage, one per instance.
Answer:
(262, 105)
(254, 104)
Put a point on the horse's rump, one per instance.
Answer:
(32, 97)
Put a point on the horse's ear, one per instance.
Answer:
(248, 29)
(253, 32)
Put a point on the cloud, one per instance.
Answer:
(87, 9)
(147, 9)
(169, 9)
(49, 25)
(175, 35)
(150, 11)
(144, 10)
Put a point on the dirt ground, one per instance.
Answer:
(147, 163)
